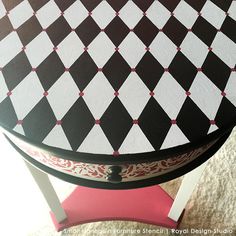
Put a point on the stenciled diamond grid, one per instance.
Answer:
(124, 76)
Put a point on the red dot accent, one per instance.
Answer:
(85, 48)
(116, 153)
(19, 122)
(97, 122)
(102, 30)
(152, 93)
(147, 49)
(44, 29)
(81, 94)
(23, 48)
(199, 13)
(189, 30)
(133, 69)
(144, 13)
(212, 122)
(199, 69)
(223, 93)
(34, 69)
(173, 122)
(45, 94)
(227, 13)
(34, 13)
(178, 48)
(117, 13)
(116, 93)
(14, 30)
(62, 13)
(218, 30)
(166, 69)
(172, 14)
(72, 29)
(233, 69)
(99, 69)
(210, 49)
(67, 69)
(55, 48)
(90, 13)
(187, 93)
(59, 122)
(161, 30)
(117, 49)
(135, 122)
(131, 30)
(9, 93)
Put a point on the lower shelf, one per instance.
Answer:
(149, 205)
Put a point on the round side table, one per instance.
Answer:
(117, 97)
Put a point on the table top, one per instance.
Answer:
(95, 78)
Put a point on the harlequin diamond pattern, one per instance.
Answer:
(113, 71)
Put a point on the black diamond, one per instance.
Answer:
(175, 30)
(36, 4)
(146, 31)
(204, 30)
(170, 5)
(40, 121)
(63, 5)
(226, 114)
(16, 70)
(11, 4)
(8, 116)
(116, 70)
(50, 70)
(197, 5)
(224, 5)
(149, 70)
(29, 30)
(216, 70)
(192, 121)
(183, 70)
(116, 123)
(228, 28)
(117, 36)
(90, 5)
(5, 26)
(55, 32)
(154, 123)
(77, 123)
(83, 70)
(143, 5)
(88, 30)
(117, 5)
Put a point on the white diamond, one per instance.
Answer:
(96, 142)
(175, 137)
(3, 88)
(57, 138)
(232, 10)
(213, 14)
(101, 49)
(70, 49)
(2, 10)
(62, 95)
(185, 14)
(98, 95)
(230, 89)
(163, 49)
(76, 14)
(21, 13)
(135, 142)
(19, 129)
(158, 14)
(132, 49)
(225, 49)
(38, 49)
(205, 95)
(48, 14)
(26, 95)
(103, 14)
(194, 49)
(134, 95)
(212, 129)
(10, 46)
(170, 95)
(131, 14)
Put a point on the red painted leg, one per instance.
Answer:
(148, 205)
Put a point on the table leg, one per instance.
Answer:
(185, 191)
(48, 191)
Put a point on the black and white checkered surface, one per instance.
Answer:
(117, 76)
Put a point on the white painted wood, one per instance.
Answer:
(48, 191)
(185, 191)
